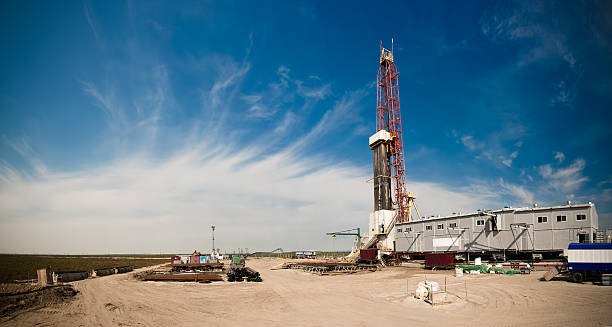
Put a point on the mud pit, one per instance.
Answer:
(289, 297)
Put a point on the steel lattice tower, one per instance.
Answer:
(389, 118)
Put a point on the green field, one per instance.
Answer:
(19, 267)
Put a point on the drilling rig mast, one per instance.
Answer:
(389, 118)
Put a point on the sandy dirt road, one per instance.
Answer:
(295, 298)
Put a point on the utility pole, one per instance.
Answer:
(213, 239)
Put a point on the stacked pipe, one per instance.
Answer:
(124, 269)
(103, 272)
(70, 276)
(237, 274)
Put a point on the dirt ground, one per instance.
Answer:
(295, 298)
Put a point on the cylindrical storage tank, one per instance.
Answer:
(70, 276)
(124, 269)
(104, 271)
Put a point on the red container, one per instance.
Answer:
(367, 255)
(439, 260)
(194, 259)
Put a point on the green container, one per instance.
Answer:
(237, 260)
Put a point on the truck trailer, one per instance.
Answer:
(589, 260)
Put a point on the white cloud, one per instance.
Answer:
(361, 130)
(440, 199)
(518, 192)
(283, 71)
(342, 113)
(228, 77)
(90, 21)
(498, 145)
(507, 161)
(252, 99)
(564, 94)
(260, 111)
(525, 22)
(545, 37)
(23, 148)
(318, 93)
(288, 119)
(566, 179)
(139, 202)
(143, 204)
(469, 142)
(559, 156)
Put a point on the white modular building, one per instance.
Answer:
(531, 229)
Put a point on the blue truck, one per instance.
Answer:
(589, 261)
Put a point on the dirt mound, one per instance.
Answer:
(16, 298)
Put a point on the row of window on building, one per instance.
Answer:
(561, 218)
(481, 222)
(440, 226)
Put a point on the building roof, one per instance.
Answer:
(498, 211)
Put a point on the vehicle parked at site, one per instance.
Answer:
(589, 261)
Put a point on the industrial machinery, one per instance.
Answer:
(350, 232)
(392, 201)
(389, 152)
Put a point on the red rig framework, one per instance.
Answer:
(389, 118)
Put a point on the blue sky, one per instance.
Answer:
(132, 127)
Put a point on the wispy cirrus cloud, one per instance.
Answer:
(500, 147)
(543, 36)
(23, 148)
(565, 179)
(529, 20)
(285, 93)
(137, 201)
(90, 20)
